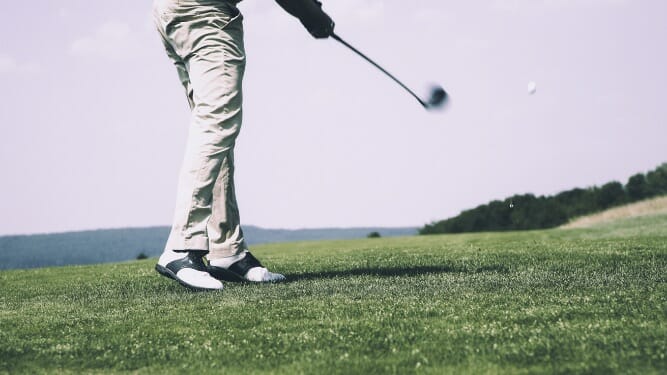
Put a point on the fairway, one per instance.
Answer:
(588, 300)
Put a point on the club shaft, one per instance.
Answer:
(346, 44)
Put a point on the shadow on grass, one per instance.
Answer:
(394, 272)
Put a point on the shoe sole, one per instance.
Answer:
(166, 272)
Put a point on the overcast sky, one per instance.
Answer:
(93, 119)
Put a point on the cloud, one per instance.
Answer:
(574, 3)
(9, 65)
(63, 13)
(111, 41)
(358, 10)
(514, 5)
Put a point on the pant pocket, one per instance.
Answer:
(224, 14)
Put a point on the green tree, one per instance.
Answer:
(637, 187)
(576, 202)
(657, 180)
(609, 195)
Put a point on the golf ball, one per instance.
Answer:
(532, 87)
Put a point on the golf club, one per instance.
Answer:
(437, 97)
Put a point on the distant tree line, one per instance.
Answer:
(521, 212)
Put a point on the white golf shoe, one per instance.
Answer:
(242, 267)
(188, 268)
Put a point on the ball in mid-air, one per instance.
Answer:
(532, 87)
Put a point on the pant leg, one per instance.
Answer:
(207, 37)
(181, 69)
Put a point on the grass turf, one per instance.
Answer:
(558, 301)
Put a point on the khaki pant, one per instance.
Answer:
(204, 39)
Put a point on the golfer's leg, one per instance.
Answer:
(164, 16)
(206, 213)
(181, 69)
(224, 227)
(187, 267)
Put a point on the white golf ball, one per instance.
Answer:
(532, 87)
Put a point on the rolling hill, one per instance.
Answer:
(117, 245)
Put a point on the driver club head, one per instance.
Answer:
(437, 97)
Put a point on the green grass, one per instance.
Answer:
(559, 301)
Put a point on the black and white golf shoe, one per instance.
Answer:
(242, 267)
(188, 268)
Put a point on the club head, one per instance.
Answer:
(437, 98)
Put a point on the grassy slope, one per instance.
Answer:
(559, 301)
(648, 207)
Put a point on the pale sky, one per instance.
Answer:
(93, 119)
